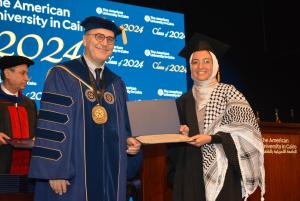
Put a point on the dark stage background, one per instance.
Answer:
(264, 53)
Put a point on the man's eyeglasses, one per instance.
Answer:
(100, 37)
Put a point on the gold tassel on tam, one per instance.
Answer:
(124, 37)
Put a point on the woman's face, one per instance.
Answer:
(201, 65)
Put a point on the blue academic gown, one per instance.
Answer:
(69, 145)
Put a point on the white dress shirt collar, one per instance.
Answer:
(92, 66)
(8, 92)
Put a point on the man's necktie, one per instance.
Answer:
(98, 78)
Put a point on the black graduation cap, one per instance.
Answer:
(94, 22)
(203, 42)
(12, 61)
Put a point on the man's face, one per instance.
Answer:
(17, 77)
(98, 51)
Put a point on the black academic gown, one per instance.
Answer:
(185, 168)
(15, 122)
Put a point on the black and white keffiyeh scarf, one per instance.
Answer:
(228, 111)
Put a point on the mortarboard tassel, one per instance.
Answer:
(218, 76)
(124, 37)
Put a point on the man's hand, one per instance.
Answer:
(59, 186)
(133, 146)
(3, 138)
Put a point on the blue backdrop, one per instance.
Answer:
(49, 32)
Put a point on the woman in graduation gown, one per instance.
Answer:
(224, 159)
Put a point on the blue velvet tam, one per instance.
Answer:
(94, 22)
(12, 61)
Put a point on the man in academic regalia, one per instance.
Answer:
(83, 149)
(17, 114)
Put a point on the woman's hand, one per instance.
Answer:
(200, 139)
(184, 129)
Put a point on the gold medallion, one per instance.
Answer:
(89, 94)
(109, 98)
(99, 114)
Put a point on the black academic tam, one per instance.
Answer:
(12, 61)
